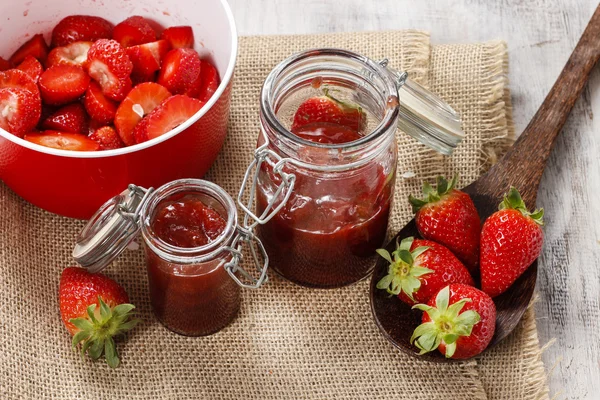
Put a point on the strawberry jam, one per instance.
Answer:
(195, 298)
(327, 232)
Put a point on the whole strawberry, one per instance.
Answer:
(459, 321)
(448, 216)
(329, 109)
(511, 240)
(94, 308)
(419, 269)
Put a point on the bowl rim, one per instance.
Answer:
(141, 146)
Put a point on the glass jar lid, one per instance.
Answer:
(110, 230)
(426, 117)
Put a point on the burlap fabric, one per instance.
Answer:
(288, 342)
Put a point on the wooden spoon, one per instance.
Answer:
(521, 167)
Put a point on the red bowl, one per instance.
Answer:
(76, 184)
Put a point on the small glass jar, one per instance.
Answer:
(194, 290)
(322, 209)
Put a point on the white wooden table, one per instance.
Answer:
(540, 36)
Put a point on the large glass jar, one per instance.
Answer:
(193, 247)
(323, 208)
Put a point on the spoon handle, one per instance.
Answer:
(524, 163)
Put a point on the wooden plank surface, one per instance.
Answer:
(540, 36)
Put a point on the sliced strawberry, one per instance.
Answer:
(180, 70)
(72, 54)
(107, 138)
(63, 141)
(63, 84)
(109, 65)
(133, 31)
(136, 79)
(100, 108)
(147, 58)
(15, 78)
(71, 118)
(171, 113)
(139, 132)
(206, 84)
(179, 36)
(32, 67)
(19, 110)
(76, 28)
(4, 64)
(139, 102)
(35, 47)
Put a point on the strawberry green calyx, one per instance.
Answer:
(403, 271)
(513, 201)
(447, 324)
(96, 332)
(343, 104)
(431, 195)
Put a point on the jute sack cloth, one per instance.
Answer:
(288, 342)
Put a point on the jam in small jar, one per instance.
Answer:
(184, 227)
(193, 247)
(325, 164)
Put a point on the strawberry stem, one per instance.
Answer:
(447, 324)
(97, 331)
(403, 274)
(513, 201)
(432, 195)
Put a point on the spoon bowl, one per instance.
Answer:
(522, 167)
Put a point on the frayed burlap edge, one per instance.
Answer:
(419, 52)
(498, 130)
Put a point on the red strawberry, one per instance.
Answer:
(63, 84)
(98, 106)
(133, 31)
(109, 65)
(19, 110)
(180, 70)
(328, 109)
(206, 84)
(139, 102)
(459, 321)
(35, 47)
(71, 118)
(511, 240)
(15, 78)
(62, 141)
(4, 64)
(94, 308)
(449, 217)
(107, 138)
(32, 67)
(171, 113)
(72, 54)
(77, 28)
(179, 36)
(419, 269)
(147, 58)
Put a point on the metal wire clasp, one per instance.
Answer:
(246, 232)
(264, 154)
(236, 249)
(132, 209)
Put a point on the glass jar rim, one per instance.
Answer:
(384, 126)
(192, 255)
